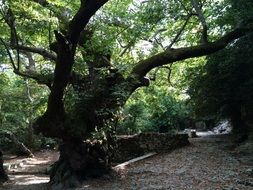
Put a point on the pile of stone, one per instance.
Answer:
(129, 147)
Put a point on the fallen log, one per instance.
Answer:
(20, 146)
(124, 164)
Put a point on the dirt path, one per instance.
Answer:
(29, 173)
(207, 164)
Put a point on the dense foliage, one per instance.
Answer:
(21, 101)
(225, 83)
(160, 108)
(221, 86)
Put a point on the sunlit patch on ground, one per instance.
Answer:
(205, 133)
(28, 179)
(29, 173)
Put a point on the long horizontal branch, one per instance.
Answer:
(44, 53)
(173, 55)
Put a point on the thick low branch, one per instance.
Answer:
(173, 55)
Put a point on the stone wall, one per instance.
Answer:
(129, 147)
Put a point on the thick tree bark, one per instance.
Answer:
(52, 123)
(239, 128)
(247, 117)
(78, 160)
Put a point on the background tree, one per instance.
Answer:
(3, 175)
(20, 103)
(96, 60)
(222, 87)
(158, 108)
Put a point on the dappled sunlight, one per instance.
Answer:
(205, 133)
(30, 173)
(28, 179)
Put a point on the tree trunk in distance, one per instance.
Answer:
(3, 175)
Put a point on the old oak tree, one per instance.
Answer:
(97, 65)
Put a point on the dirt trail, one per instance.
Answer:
(208, 163)
(29, 173)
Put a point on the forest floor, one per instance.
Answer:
(208, 163)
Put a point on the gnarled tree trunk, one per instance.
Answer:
(78, 160)
(94, 111)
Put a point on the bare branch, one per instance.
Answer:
(9, 54)
(127, 47)
(158, 32)
(202, 19)
(173, 55)
(180, 31)
(10, 21)
(28, 92)
(31, 63)
(169, 68)
(184, 7)
(169, 74)
(160, 44)
(46, 54)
